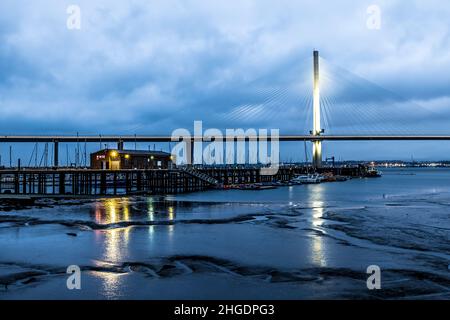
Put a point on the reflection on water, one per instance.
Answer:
(116, 241)
(171, 212)
(115, 210)
(116, 245)
(150, 209)
(112, 210)
(316, 201)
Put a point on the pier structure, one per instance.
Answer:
(76, 182)
(88, 182)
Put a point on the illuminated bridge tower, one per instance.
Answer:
(317, 130)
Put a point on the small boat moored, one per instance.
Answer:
(308, 179)
(373, 173)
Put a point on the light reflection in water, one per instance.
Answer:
(291, 192)
(171, 212)
(150, 209)
(116, 241)
(316, 201)
(112, 211)
(115, 210)
(116, 245)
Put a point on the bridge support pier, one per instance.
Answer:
(189, 153)
(317, 154)
(56, 154)
(120, 145)
(317, 130)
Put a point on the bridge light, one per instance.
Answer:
(317, 130)
(127, 156)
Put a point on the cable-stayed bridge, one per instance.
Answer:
(364, 111)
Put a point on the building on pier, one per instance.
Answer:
(112, 159)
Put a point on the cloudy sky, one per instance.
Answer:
(145, 66)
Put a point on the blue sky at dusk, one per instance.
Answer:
(154, 66)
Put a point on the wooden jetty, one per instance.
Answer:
(98, 182)
(241, 175)
(89, 182)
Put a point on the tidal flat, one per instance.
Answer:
(297, 242)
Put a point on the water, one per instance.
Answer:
(300, 242)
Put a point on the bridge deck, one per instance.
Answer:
(150, 138)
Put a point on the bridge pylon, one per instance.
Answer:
(317, 130)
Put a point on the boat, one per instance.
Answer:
(373, 173)
(308, 179)
(256, 186)
(277, 184)
(330, 177)
(341, 178)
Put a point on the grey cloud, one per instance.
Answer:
(151, 67)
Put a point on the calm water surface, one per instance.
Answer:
(300, 242)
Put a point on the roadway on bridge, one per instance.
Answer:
(165, 138)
